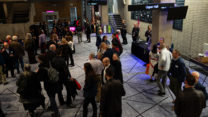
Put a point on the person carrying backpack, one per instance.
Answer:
(64, 77)
(49, 76)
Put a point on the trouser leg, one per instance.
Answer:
(60, 97)
(94, 106)
(85, 107)
(68, 97)
(72, 59)
(160, 74)
(98, 88)
(53, 103)
(21, 63)
(164, 80)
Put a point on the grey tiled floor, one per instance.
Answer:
(141, 98)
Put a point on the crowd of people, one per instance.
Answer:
(103, 72)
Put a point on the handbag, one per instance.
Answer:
(78, 86)
(147, 69)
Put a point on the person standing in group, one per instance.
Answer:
(97, 67)
(50, 87)
(111, 96)
(98, 39)
(106, 64)
(88, 31)
(123, 32)
(29, 88)
(42, 42)
(18, 53)
(105, 40)
(51, 53)
(148, 34)
(60, 65)
(135, 33)
(66, 50)
(79, 32)
(30, 48)
(153, 59)
(177, 73)
(190, 102)
(2, 65)
(8, 56)
(164, 62)
(90, 90)
(198, 85)
(118, 75)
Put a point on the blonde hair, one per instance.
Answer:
(64, 41)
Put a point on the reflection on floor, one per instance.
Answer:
(141, 98)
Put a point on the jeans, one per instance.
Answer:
(162, 75)
(53, 103)
(60, 95)
(85, 106)
(19, 60)
(79, 35)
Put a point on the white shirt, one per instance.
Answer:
(97, 66)
(104, 72)
(164, 61)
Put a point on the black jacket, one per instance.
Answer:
(66, 51)
(42, 75)
(109, 53)
(200, 87)
(190, 103)
(9, 60)
(98, 40)
(102, 74)
(111, 98)
(28, 86)
(60, 65)
(117, 71)
(178, 69)
(135, 32)
(50, 55)
(90, 88)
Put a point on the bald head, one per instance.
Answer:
(52, 48)
(196, 75)
(6, 45)
(14, 38)
(106, 61)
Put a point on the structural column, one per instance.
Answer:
(104, 14)
(161, 27)
(5, 10)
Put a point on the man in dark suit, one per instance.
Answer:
(198, 85)
(111, 93)
(177, 73)
(8, 55)
(106, 64)
(190, 102)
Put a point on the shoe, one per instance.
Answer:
(71, 106)
(71, 65)
(151, 80)
(5, 83)
(161, 94)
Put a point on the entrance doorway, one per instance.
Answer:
(49, 17)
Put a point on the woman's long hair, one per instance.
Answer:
(89, 72)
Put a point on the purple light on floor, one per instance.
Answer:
(49, 11)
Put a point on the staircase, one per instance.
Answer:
(115, 21)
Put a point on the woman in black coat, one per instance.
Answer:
(117, 67)
(90, 90)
